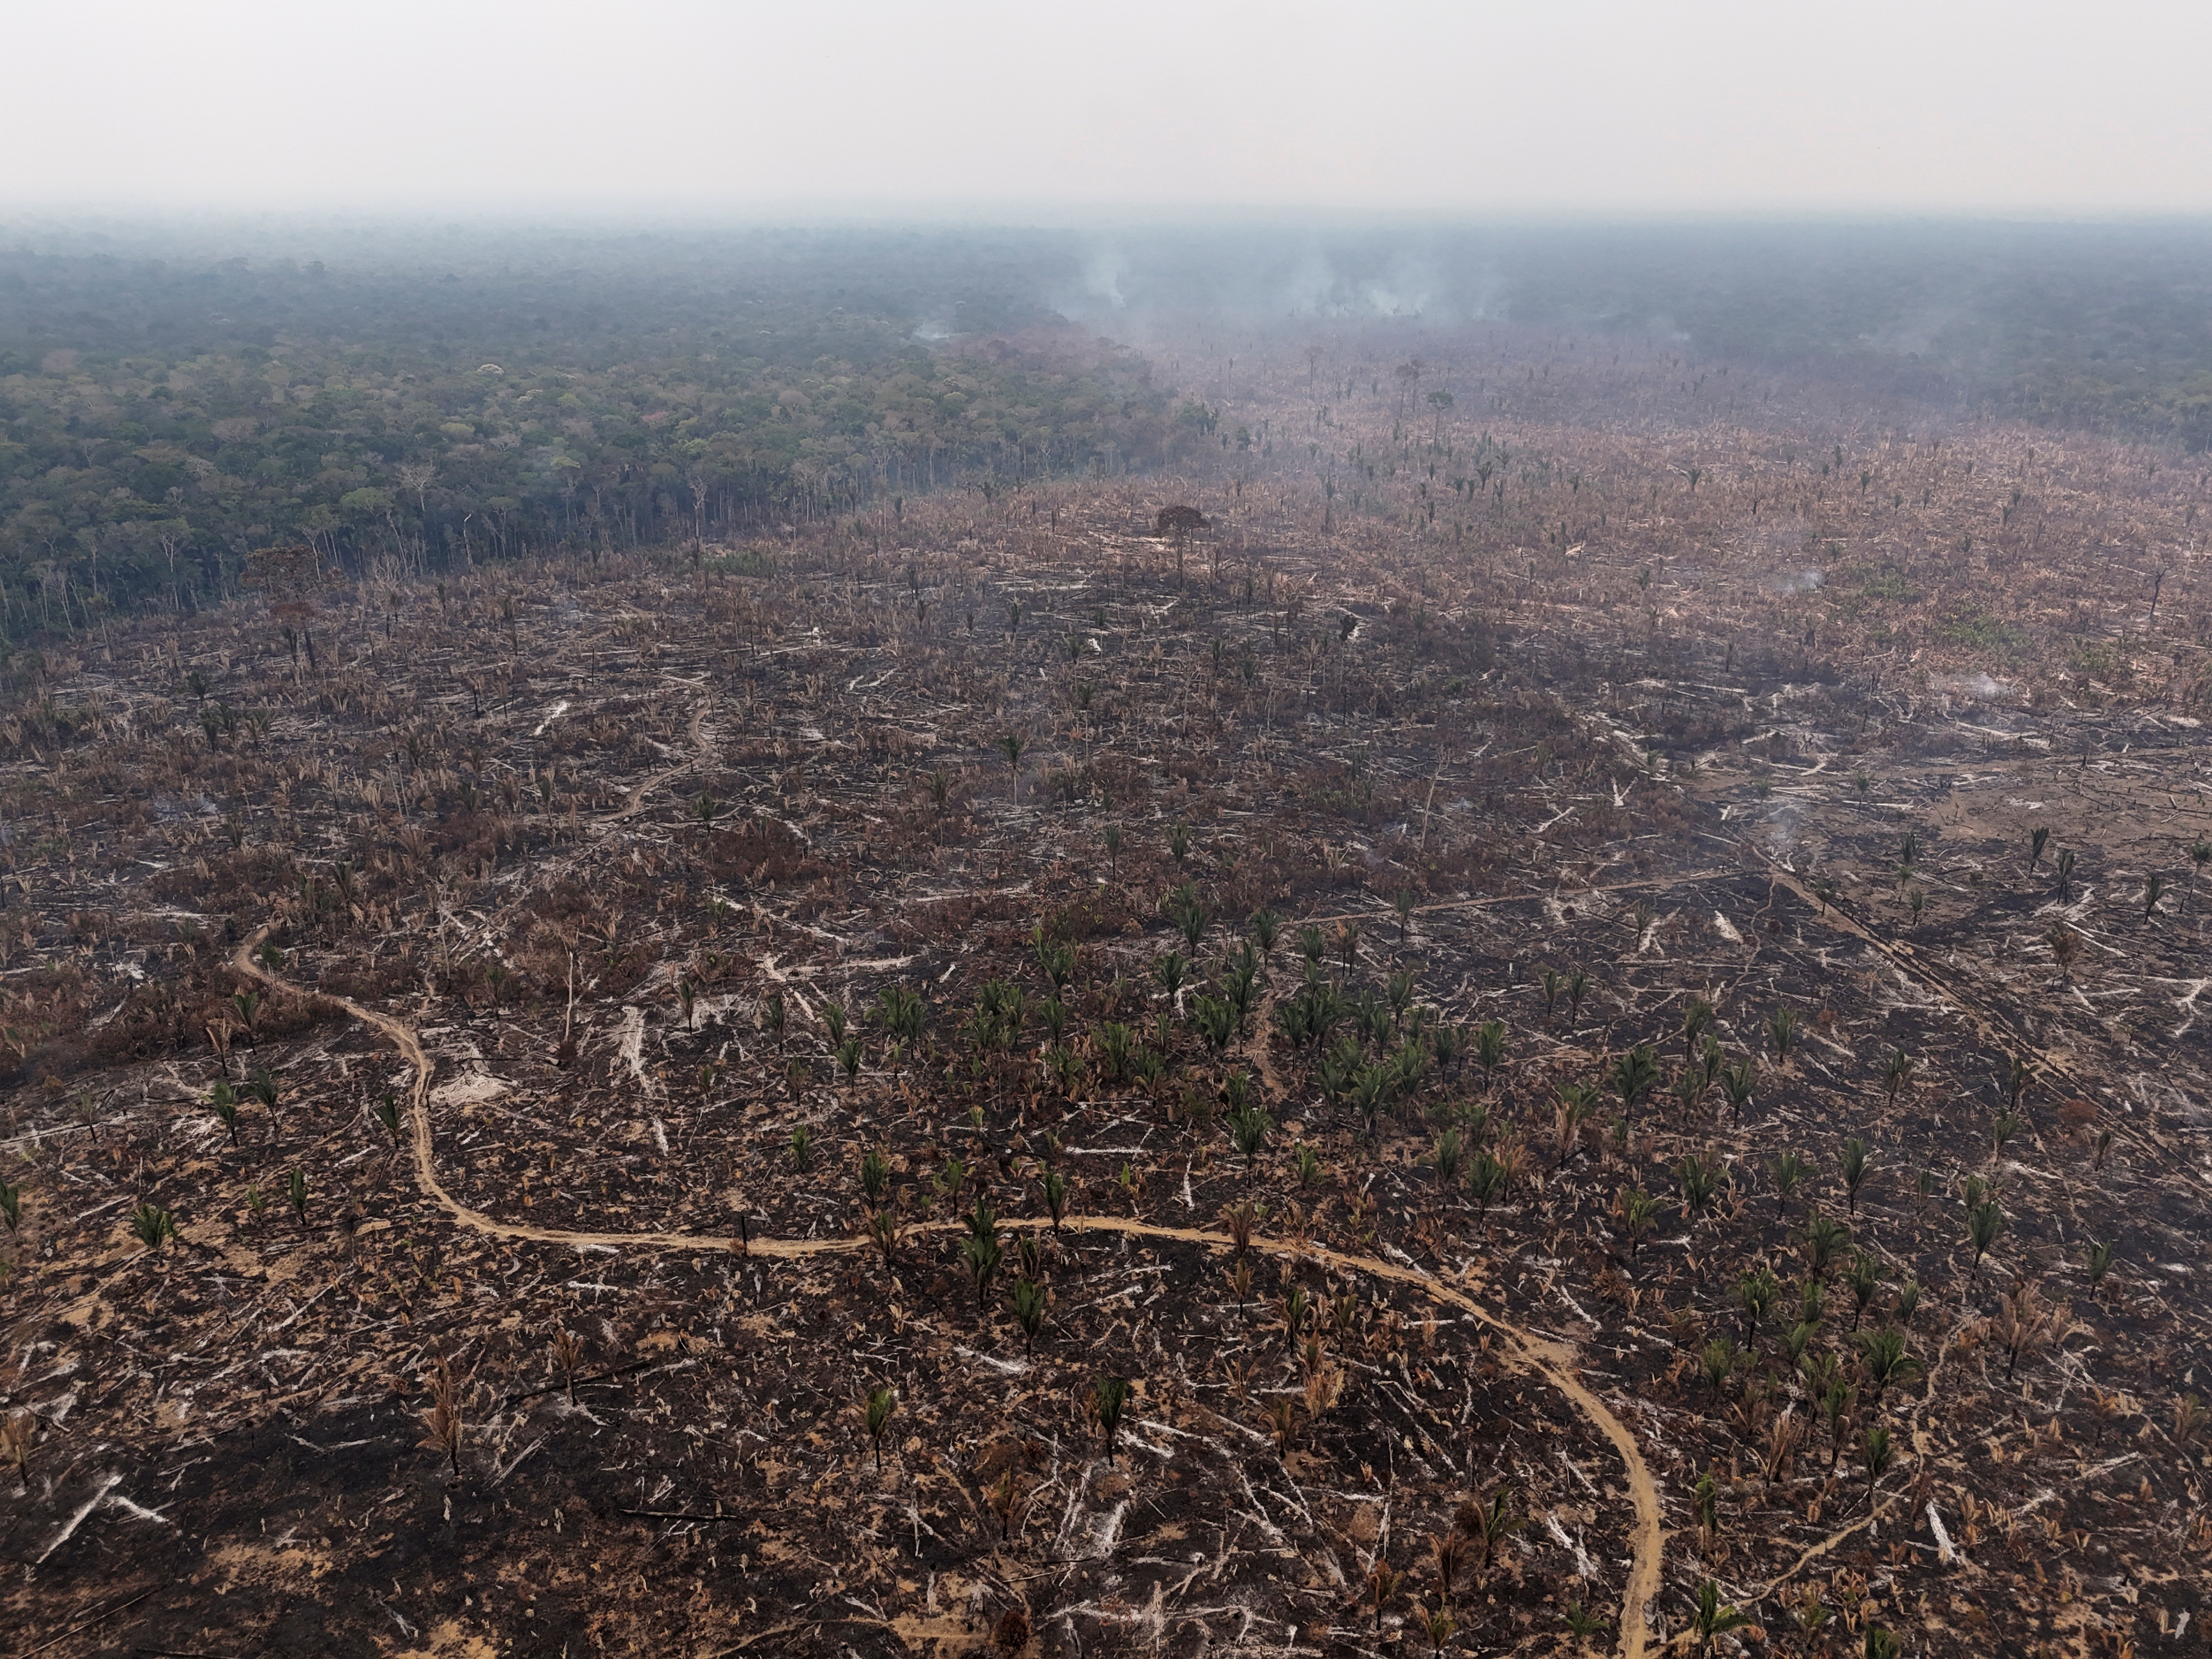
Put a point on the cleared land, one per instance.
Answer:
(664, 999)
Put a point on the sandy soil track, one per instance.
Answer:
(1553, 1361)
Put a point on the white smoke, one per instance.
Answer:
(1978, 686)
(1102, 276)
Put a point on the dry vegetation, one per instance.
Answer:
(1573, 1029)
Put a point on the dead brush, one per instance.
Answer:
(568, 1355)
(16, 1433)
(444, 1416)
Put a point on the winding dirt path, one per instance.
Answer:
(1553, 1361)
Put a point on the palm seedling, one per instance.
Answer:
(1719, 1359)
(1030, 1300)
(875, 1410)
(1699, 1179)
(884, 1228)
(1296, 1301)
(1216, 1019)
(2037, 839)
(1266, 927)
(1192, 917)
(1797, 1339)
(1837, 1399)
(1737, 1083)
(802, 1149)
(1880, 1642)
(296, 1189)
(1632, 1076)
(1755, 1291)
(1637, 1210)
(1823, 1236)
(1489, 1522)
(1856, 1163)
(1398, 994)
(1864, 1279)
(1874, 1451)
(1011, 745)
(1249, 1129)
(1579, 986)
(1438, 1624)
(154, 1226)
(223, 1101)
(1788, 1173)
(980, 1252)
(387, 1114)
(1347, 944)
(1813, 1301)
(875, 1177)
(2153, 889)
(1697, 1015)
(1055, 1197)
(1447, 1156)
(1239, 1280)
(1897, 1072)
(849, 1058)
(1371, 1091)
(1109, 1395)
(1582, 1623)
(1711, 1617)
(1171, 970)
(1782, 1032)
(2065, 866)
(1704, 1498)
(1552, 985)
(1111, 836)
(1382, 1586)
(1686, 1091)
(1486, 1177)
(1179, 843)
(1882, 1352)
(11, 1206)
(2098, 1260)
(1490, 1049)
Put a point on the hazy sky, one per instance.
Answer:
(968, 106)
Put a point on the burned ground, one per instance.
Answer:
(940, 844)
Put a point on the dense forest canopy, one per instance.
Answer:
(165, 415)
(170, 400)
